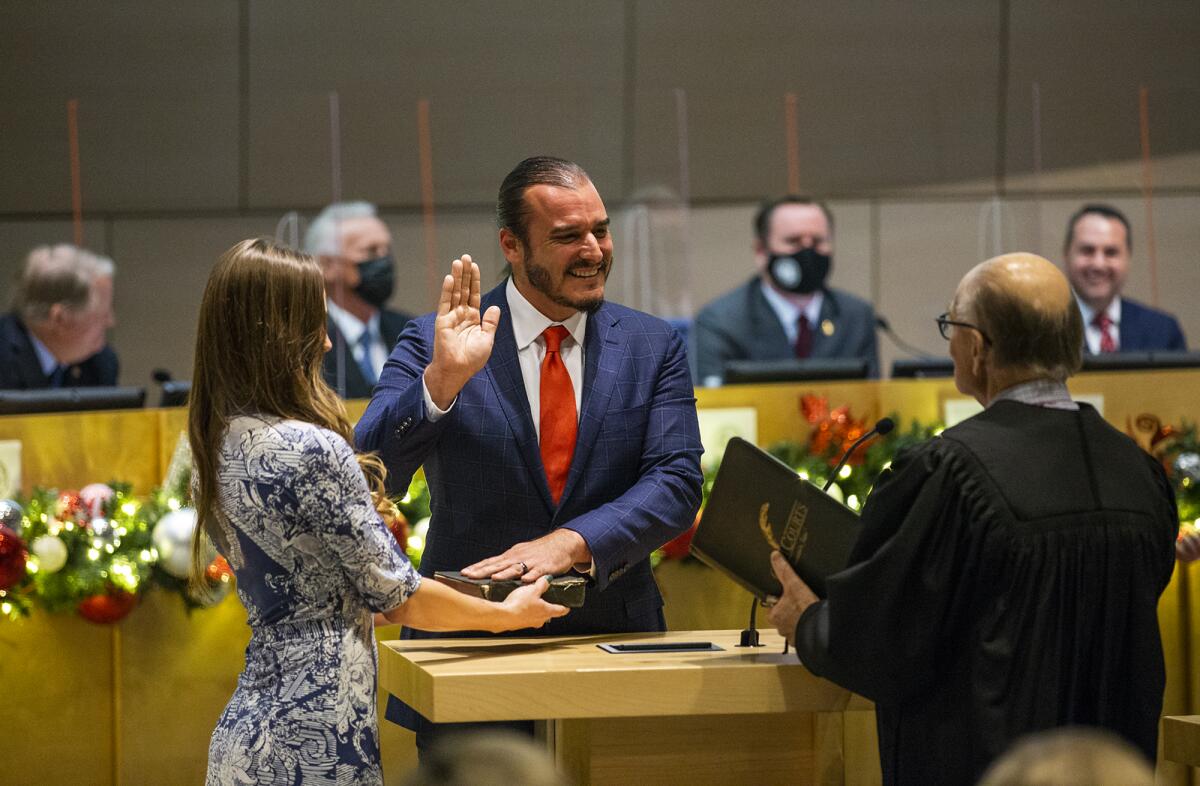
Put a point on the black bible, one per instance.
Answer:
(566, 591)
(757, 505)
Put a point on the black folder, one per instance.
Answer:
(757, 505)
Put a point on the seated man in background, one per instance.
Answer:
(1097, 250)
(56, 334)
(354, 248)
(786, 310)
(1008, 572)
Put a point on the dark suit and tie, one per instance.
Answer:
(634, 479)
(1139, 329)
(741, 325)
(557, 431)
(21, 369)
(357, 383)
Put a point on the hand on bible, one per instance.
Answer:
(462, 340)
(549, 555)
(786, 609)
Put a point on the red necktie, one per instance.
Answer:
(557, 418)
(1104, 323)
(803, 337)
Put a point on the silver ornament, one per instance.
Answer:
(172, 537)
(11, 514)
(1188, 466)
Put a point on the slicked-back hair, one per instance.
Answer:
(1107, 211)
(512, 211)
(762, 219)
(1024, 336)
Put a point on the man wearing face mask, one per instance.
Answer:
(787, 310)
(354, 248)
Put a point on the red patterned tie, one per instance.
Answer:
(1104, 323)
(804, 337)
(558, 422)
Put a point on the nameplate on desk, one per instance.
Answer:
(10, 468)
(718, 425)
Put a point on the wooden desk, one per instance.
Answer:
(731, 716)
(1181, 739)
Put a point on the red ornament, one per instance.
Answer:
(399, 528)
(107, 607)
(12, 558)
(70, 506)
(218, 570)
(680, 546)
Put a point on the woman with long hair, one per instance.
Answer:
(297, 514)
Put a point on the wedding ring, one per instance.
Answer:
(524, 568)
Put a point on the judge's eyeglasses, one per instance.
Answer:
(944, 322)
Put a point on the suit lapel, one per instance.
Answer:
(355, 382)
(823, 342)
(603, 348)
(24, 356)
(1130, 327)
(769, 336)
(504, 370)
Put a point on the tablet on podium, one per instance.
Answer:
(757, 505)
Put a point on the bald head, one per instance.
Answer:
(1023, 303)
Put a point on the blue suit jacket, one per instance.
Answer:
(634, 482)
(1144, 328)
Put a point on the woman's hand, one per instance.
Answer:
(527, 609)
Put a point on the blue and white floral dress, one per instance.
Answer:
(313, 561)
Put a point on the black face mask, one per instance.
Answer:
(376, 280)
(802, 273)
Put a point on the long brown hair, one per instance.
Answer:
(259, 347)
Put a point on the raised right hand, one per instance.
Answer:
(462, 339)
(527, 609)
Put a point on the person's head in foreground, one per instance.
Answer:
(1013, 319)
(1070, 757)
(486, 759)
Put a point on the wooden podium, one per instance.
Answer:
(730, 716)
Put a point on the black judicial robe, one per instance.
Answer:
(1006, 581)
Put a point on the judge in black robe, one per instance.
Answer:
(1006, 581)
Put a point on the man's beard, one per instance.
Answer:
(541, 279)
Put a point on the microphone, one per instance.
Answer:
(882, 426)
(886, 327)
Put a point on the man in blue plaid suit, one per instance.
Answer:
(460, 395)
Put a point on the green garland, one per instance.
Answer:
(855, 480)
(1179, 451)
(106, 553)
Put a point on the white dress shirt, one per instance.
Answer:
(1091, 333)
(352, 329)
